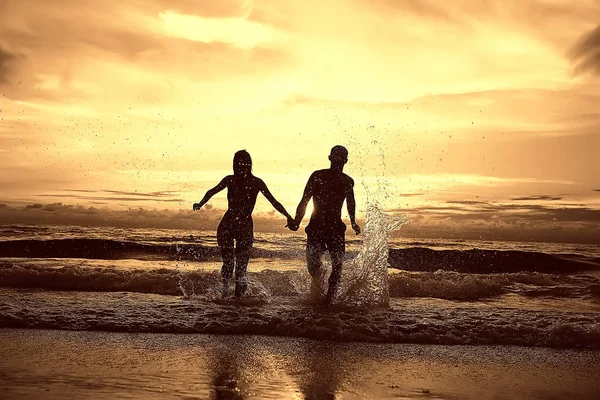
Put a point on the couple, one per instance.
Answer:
(325, 232)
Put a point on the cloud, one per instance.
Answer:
(493, 221)
(476, 220)
(79, 190)
(113, 198)
(106, 98)
(553, 23)
(421, 8)
(204, 8)
(586, 53)
(142, 194)
(531, 212)
(66, 214)
(6, 59)
(538, 197)
(596, 190)
(238, 32)
(466, 202)
(135, 41)
(159, 196)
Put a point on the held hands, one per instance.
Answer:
(292, 224)
(356, 228)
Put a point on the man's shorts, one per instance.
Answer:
(332, 240)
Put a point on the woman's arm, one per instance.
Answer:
(211, 192)
(277, 205)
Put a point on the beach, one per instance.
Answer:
(110, 313)
(51, 364)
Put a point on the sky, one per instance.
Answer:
(475, 119)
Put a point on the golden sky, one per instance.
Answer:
(454, 112)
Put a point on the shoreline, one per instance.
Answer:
(74, 364)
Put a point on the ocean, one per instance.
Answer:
(394, 289)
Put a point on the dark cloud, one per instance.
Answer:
(466, 202)
(49, 36)
(549, 21)
(142, 194)
(204, 8)
(428, 209)
(586, 53)
(538, 197)
(49, 27)
(490, 222)
(116, 195)
(65, 214)
(113, 198)
(510, 212)
(423, 8)
(80, 190)
(6, 59)
(523, 222)
(596, 190)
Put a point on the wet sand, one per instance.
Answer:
(50, 364)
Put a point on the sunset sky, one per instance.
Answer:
(476, 119)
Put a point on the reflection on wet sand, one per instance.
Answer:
(67, 364)
(242, 367)
(227, 374)
(319, 369)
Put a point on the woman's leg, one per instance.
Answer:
(243, 248)
(225, 242)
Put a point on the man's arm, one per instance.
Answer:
(211, 192)
(308, 193)
(351, 203)
(277, 205)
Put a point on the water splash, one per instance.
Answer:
(185, 285)
(365, 277)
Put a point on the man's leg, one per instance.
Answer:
(337, 262)
(314, 253)
(337, 251)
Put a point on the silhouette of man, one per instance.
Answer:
(325, 232)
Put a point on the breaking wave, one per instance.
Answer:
(409, 259)
(168, 281)
(406, 321)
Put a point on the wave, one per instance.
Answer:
(409, 259)
(489, 261)
(107, 249)
(423, 321)
(166, 281)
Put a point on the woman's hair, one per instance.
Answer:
(242, 163)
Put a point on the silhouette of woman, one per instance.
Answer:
(237, 225)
